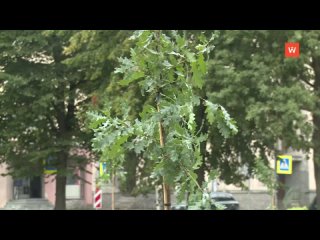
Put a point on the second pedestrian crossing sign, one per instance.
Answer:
(284, 164)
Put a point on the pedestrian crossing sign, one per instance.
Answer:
(103, 168)
(49, 166)
(284, 164)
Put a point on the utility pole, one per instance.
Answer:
(274, 190)
(278, 149)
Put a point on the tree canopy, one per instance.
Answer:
(200, 86)
(46, 90)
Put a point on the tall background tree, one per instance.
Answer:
(266, 93)
(47, 84)
(96, 52)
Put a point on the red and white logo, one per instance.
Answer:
(98, 199)
(292, 50)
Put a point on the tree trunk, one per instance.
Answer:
(317, 177)
(166, 196)
(316, 133)
(159, 197)
(61, 182)
(65, 115)
(113, 189)
(166, 187)
(60, 203)
(130, 166)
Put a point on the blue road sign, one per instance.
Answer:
(284, 164)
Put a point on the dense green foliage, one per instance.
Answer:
(45, 91)
(168, 68)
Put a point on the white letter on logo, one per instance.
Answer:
(292, 49)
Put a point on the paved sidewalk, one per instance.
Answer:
(29, 204)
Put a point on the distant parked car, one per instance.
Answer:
(225, 199)
(221, 198)
(179, 207)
